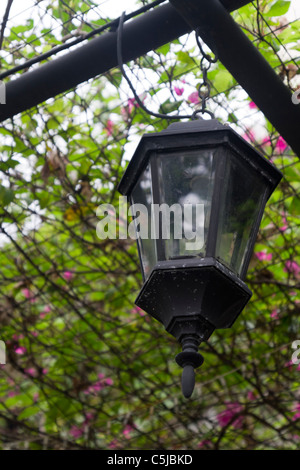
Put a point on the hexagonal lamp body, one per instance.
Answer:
(200, 191)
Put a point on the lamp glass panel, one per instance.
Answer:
(142, 199)
(240, 206)
(185, 181)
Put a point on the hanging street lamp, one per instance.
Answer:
(203, 189)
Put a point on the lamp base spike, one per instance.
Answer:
(189, 359)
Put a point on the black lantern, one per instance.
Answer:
(194, 287)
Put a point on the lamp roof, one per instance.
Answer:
(192, 135)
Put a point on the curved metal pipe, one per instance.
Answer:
(147, 32)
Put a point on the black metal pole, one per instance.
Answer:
(141, 35)
(220, 32)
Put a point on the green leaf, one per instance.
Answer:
(32, 410)
(164, 49)
(19, 29)
(52, 123)
(295, 206)
(6, 196)
(279, 8)
(169, 106)
(11, 163)
(44, 198)
(185, 58)
(222, 81)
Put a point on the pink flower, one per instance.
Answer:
(227, 416)
(285, 224)
(133, 103)
(76, 432)
(31, 371)
(113, 444)
(139, 311)
(289, 364)
(88, 417)
(249, 136)
(20, 350)
(28, 295)
(204, 443)
(297, 414)
(26, 292)
(274, 314)
(251, 396)
(281, 144)
(109, 127)
(47, 309)
(68, 275)
(263, 256)
(252, 105)
(45, 371)
(36, 397)
(292, 267)
(99, 385)
(11, 394)
(127, 431)
(266, 141)
(178, 91)
(194, 97)
(17, 337)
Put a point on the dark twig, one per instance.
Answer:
(4, 22)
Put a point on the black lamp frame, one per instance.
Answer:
(193, 296)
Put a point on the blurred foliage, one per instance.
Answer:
(85, 368)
